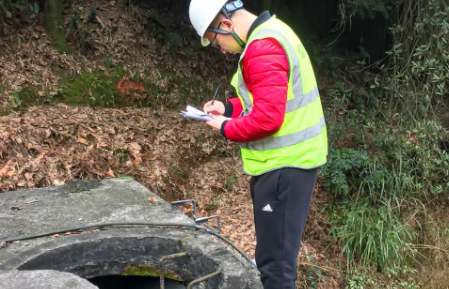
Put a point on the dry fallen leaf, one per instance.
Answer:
(11, 173)
(5, 135)
(135, 146)
(83, 141)
(5, 169)
(110, 173)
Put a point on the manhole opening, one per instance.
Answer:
(134, 282)
(131, 260)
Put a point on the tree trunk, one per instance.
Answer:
(54, 25)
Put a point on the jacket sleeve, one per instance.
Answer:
(233, 107)
(265, 71)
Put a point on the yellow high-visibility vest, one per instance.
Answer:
(301, 142)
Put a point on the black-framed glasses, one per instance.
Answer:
(214, 41)
(228, 8)
(218, 30)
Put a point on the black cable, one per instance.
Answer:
(212, 232)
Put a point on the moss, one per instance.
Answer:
(29, 96)
(71, 284)
(99, 89)
(77, 186)
(4, 111)
(188, 89)
(149, 271)
(120, 176)
(22, 99)
(186, 239)
(86, 89)
(92, 89)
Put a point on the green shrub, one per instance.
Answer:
(373, 235)
(22, 6)
(359, 281)
(416, 79)
(395, 165)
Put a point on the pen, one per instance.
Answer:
(215, 95)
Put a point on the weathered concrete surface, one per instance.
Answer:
(48, 209)
(42, 279)
(131, 250)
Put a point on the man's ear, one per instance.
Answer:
(227, 24)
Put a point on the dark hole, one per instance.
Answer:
(133, 282)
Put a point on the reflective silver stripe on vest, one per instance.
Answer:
(243, 91)
(299, 100)
(286, 140)
(302, 100)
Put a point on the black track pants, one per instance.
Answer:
(281, 200)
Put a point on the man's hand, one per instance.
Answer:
(217, 122)
(217, 108)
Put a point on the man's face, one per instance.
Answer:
(225, 42)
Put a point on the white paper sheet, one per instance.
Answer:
(194, 113)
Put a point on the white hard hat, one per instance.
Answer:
(202, 13)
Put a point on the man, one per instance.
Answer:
(278, 120)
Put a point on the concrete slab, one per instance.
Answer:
(115, 200)
(113, 250)
(42, 279)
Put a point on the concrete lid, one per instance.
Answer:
(42, 279)
(113, 250)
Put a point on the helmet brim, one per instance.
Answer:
(204, 41)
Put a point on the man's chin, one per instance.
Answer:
(232, 52)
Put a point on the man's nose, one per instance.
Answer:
(223, 51)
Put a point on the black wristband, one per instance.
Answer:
(228, 109)
(222, 131)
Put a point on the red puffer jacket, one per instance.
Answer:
(265, 71)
